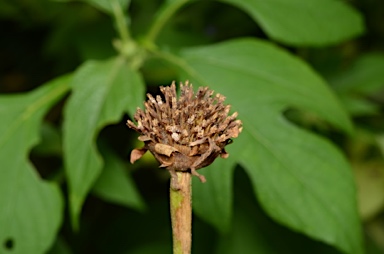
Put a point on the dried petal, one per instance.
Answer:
(144, 138)
(137, 154)
(164, 149)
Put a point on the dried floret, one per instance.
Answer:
(185, 134)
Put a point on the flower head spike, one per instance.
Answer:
(185, 134)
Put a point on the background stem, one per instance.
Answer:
(121, 22)
(164, 14)
(181, 214)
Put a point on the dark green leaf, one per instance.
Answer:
(212, 200)
(102, 92)
(115, 184)
(50, 141)
(358, 106)
(301, 180)
(364, 78)
(244, 237)
(60, 247)
(31, 208)
(303, 22)
(162, 15)
(152, 248)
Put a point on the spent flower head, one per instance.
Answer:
(185, 134)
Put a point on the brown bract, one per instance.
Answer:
(185, 134)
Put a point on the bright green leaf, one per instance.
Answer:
(102, 92)
(115, 184)
(31, 208)
(301, 180)
(304, 22)
(212, 200)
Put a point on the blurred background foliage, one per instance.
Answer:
(41, 40)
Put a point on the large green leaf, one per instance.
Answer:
(212, 200)
(115, 185)
(301, 180)
(102, 92)
(304, 22)
(31, 208)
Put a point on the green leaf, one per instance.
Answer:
(244, 237)
(163, 14)
(358, 106)
(212, 200)
(107, 5)
(31, 208)
(370, 182)
(303, 22)
(115, 184)
(102, 92)
(60, 247)
(301, 180)
(50, 141)
(364, 78)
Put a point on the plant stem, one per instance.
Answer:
(121, 23)
(164, 14)
(181, 214)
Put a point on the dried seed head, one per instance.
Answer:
(188, 133)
